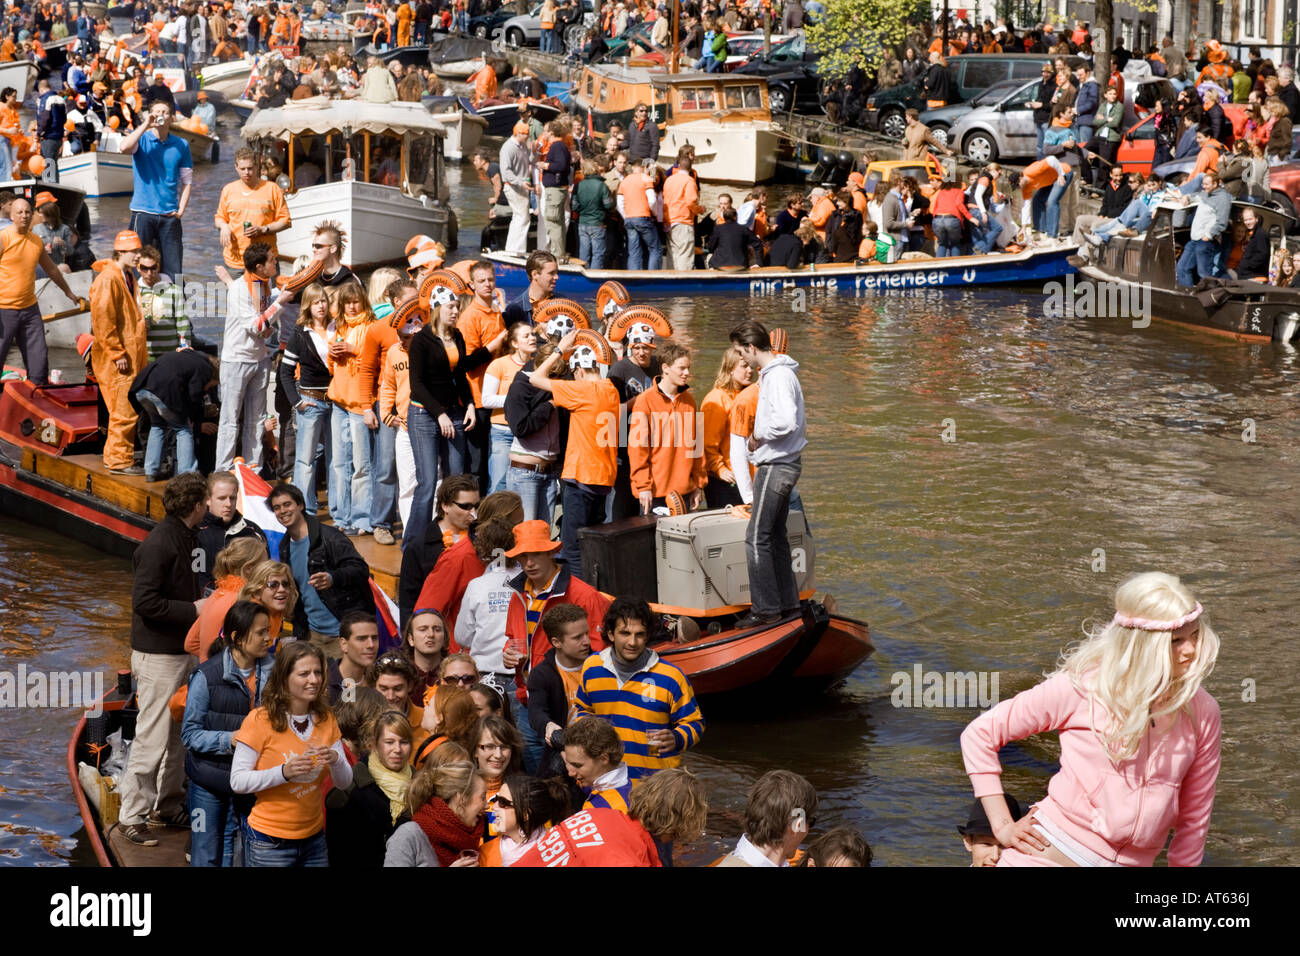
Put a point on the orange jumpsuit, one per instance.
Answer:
(485, 84)
(404, 17)
(119, 332)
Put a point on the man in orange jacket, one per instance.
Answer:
(664, 438)
(120, 351)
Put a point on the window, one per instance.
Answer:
(591, 82)
(734, 98)
(1144, 130)
(1020, 100)
(981, 74)
(688, 98)
(753, 98)
(702, 97)
(1253, 17)
(1026, 69)
(604, 90)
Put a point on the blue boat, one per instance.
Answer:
(1032, 266)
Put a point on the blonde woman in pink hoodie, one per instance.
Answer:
(1139, 740)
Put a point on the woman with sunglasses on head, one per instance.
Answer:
(522, 809)
(307, 354)
(1139, 740)
(363, 816)
(284, 750)
(271, 585)
(222, 691)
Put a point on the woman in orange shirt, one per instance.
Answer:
(282, 751)
(234, 564)
(733, 375)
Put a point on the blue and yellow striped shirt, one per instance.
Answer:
(655, 698)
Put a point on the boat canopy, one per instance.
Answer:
(452, 48)
(321, 115)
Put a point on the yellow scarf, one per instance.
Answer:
(393, 784)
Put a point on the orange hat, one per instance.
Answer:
(1214, 52)
(114, 122)
(201, 95)
(99, 87)
(428, 254)
(856, 179)
(415, 242)
(519, 128)
(43, 198)
(84, 341)
(532, 537)
(126, 241)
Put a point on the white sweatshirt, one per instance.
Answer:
(779, 424)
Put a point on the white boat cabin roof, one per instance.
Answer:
(321, 115)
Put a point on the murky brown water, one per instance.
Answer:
(977, 554)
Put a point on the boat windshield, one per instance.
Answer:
(373, 158)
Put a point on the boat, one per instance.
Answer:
(726, 118)
(229, 79)
(399, 188)
(98, 173)
(502, 116)
(1136, 277)
(462, 127)
(605, 93)
(458, 57)
(19, 74)
(204, 147)
(1035, 264)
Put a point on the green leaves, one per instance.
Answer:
(858, 32)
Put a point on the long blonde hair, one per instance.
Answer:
(255, 584)
(1129, 671)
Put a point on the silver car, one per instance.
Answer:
(526, 29)
(941, 121)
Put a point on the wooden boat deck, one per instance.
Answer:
(173, 842)
(86, 474)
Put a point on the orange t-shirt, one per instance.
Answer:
(681, 199)
(744, 410)
(632, 189)
(716, 412)
(821, 214)
(591, 456)
(293, 810)
(19, 256)
(262, 206)
(504, 370)
(479, 325)
(9, 119)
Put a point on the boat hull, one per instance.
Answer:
(378, 221)
(502, 117)
(203, 147)
(99, 173)
(20, 75)
(725, 152)
(464, 133)
(959, 272)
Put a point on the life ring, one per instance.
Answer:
(780, 341)
(408, 310)
(303, 277)
(676, 503)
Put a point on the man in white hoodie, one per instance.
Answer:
(776, 449)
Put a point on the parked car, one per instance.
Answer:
(970, 74)
(1006, 128)
(743, 46)
(526, 28)
(941, 120)
(487, 25)
(790, 69)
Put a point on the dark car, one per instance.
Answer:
(970, 74)
(790, 69)
(485, 25)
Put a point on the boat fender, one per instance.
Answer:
(780, 341)
(558, 317)
(676, 503)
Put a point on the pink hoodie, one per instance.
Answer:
(1120, 812)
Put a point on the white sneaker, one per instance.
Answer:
(1095, 239)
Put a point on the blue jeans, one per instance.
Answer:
(643, 234)
(214, 828)
(460, 21)
(263, 850)
(313, 425)
(534, 746)
(164, 234)
(584, 505)
(163, 421)
(1041, 128)
(947, 236)
(499, 458)
(6, 161)
(538, 490)
(428, 447)
(1047, 211)
(984, 237)
(548, 44)
(1201, 255)
(591, 245)
(383, 505)
(351, 440)
(772, 586)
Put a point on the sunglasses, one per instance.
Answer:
(504, 802)
(144, 268)
(322, 245)
(390, 659)
(464, 679)
(464, 507)
(277, 585)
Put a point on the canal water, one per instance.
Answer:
(979, 478)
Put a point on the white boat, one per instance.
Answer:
(98, 173)
(19, 74)
(203, 146)
(463, 131)
(398, 188)
(64, 321)
(230, 79)
(727, 119)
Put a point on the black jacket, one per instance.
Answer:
(418, 559)
(1115, 201)
(435, 385)
(529, 409)
(1046, 90)
(165, 588)
(547, 703)
(301, 354)
(937, 84)
(642, 142)
(229, 702)
(728, 245)
(214, 534)
(1254, 260)
(844, 235)
(1220, 126)
(330, 550)
(179, 379)
(360, 821)
(786, 251)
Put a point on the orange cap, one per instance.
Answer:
(44, 197)
(532, 537)
(126, 241)
(520, 128)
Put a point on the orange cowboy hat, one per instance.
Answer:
(1214, 52)
(532, 537)
(126, 241)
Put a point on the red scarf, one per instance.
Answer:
(447, 833)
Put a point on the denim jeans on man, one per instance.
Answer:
(772, 586)
(383, 506)
(947, 236)
(313, 426)
(985, 236)
(1201, 255)
(643, 235)
(215, 838)
(584, 505)
(539, 491)
(263, 850)
(163, 422)
(429, 447)
(591, 245)
(352, 446)
(164, 234)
